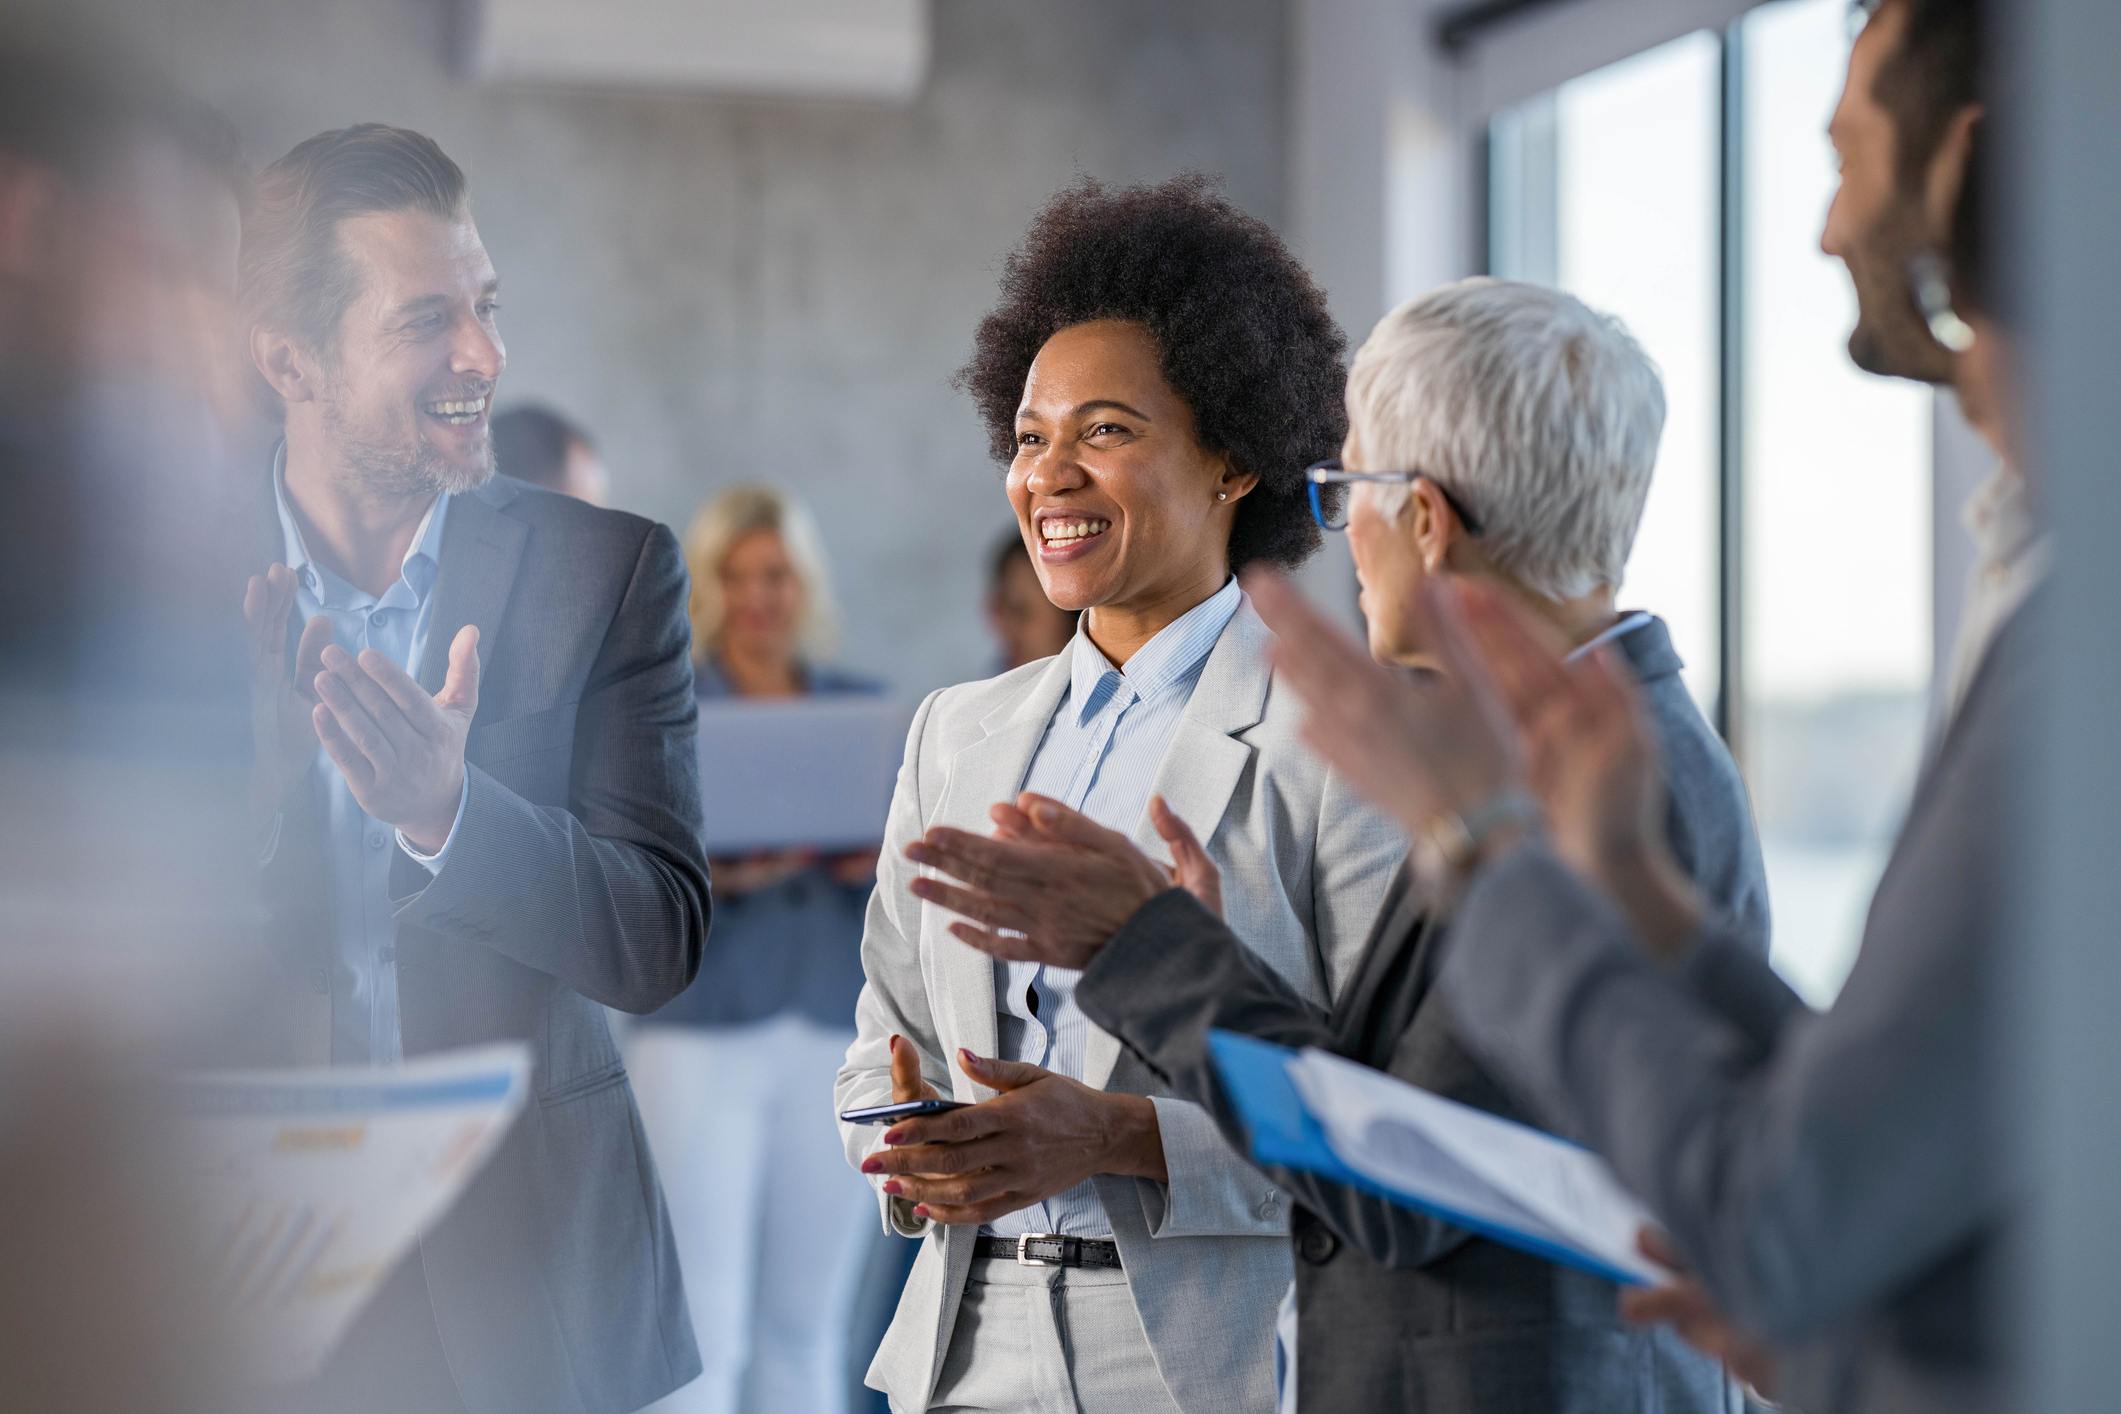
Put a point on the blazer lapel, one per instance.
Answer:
(983, 773)
(1202, 766)
(481, 549)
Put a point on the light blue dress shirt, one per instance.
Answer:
(1100, 755)
(358, 848)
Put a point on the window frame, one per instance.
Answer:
(1727, 708)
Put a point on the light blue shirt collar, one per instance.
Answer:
(1173, 655)
(417, 571)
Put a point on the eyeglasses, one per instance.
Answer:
(1329, 482)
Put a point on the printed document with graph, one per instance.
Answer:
(1324, 1114)
(314, 1184)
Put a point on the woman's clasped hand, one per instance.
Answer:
(1042, 1134)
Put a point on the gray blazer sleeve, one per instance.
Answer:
(1804, 1173)
(894, 997)
(1173, 973)
(1738, 985)
(609, 895)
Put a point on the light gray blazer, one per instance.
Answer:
(1305, 869)
(1837, 1180)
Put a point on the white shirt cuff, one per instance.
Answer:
(433, 863)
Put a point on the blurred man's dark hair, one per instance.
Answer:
(1007, 552)
(83, 121)
(106, 303)
(1943, 66)
(1934, 73)
(531, 441)
(104, 128)
(1025, 623)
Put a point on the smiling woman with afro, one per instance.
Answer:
(1156, 375)
(1242, 331)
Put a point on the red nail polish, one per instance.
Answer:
(894, 1136)
(920, 1210)
(872, 1166)
(893, 1188)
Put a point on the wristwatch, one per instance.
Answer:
(1450, 844)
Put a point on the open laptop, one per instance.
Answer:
(798, 772)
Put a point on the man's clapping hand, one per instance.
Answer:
(402, 751)
(283, 737)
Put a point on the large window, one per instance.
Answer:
(1787, 539)
(1608, 187)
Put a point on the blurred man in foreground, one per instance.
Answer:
(122, 740)
(1838, 1182)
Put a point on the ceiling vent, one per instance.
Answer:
(873, 51)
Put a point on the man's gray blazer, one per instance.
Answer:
(1835, 1179)
(1395, 1309)
(1305, 868)
(576, 881)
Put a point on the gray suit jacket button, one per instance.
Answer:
(1317, 1246)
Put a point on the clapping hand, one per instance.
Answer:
(1052, 885)
(402, 751)
(1685, 1306)
(284, 741)
(1594, 768)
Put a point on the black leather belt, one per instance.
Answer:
(1048, 1249)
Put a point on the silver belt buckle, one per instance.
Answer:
(1023, 1249)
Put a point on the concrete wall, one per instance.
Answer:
(1379, 181)
(728, 289)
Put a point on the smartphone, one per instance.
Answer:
(904, 1109)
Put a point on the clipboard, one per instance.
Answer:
(1284, 1130)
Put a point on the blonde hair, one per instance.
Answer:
(714, 532)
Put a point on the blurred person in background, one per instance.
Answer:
(1841, 1185)
(119, 212)
(1026, 625)
(123, 736)
(123, 741)
(534, 443)
(1088, 1239)
(500, 835)
(773, 1233)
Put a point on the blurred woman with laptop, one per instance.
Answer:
(773, 1234)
